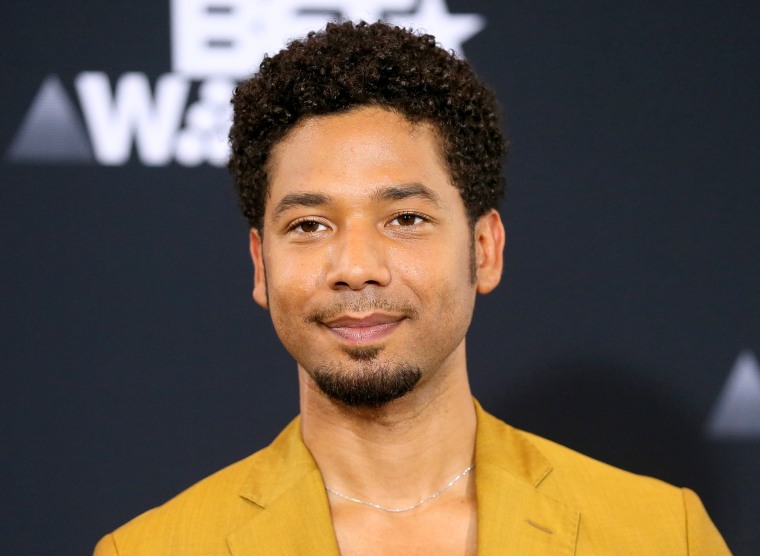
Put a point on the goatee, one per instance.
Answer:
(371, 386)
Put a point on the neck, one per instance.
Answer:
(399, 453)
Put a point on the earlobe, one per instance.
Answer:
(489, 245)
(255, 245)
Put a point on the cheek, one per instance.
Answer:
(291, 275)
(450, 258)
(288, 305)
(438, 278)
(292, 281)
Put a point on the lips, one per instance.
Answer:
(364, 330)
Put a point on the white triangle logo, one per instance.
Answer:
(52, 130)
(736, 414)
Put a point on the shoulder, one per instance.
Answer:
(591, 483)
(199, 519)
(614, 505)
(551, 467)
(582, 470)
(617, 504)
(196, 521)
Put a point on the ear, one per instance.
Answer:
(256, 247)
(489, 237)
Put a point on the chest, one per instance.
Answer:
(448, 530)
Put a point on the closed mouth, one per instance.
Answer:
(365, 329)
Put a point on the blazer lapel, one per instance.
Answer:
(294, 516)
(514, 517)
(297, 522)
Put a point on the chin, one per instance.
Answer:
(371, 387)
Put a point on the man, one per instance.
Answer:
(368, 162)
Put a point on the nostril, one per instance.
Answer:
(358, 285)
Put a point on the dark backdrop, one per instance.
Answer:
(134, 362)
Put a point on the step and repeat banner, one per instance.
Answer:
(134, 361)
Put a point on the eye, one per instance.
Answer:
(406, 219)
(307, 226)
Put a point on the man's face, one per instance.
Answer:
(365, 262)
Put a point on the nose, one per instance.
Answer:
(358, 259)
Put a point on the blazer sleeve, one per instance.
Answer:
(106, 547)
(702, 536)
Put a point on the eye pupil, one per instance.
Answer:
(309, 226)
(407, 219)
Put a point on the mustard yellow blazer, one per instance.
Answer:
(534, 498)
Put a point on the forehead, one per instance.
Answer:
(353, 154)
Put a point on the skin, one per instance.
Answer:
(366, 249)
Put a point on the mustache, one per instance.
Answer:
(363, 305)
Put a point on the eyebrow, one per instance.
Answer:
(300, 200)
(389, 193)
(406, 191)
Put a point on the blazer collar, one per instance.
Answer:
(514, 516)
(295, 517)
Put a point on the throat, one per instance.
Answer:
(403, 509)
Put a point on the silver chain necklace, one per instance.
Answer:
(427, 498)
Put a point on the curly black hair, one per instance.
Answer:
(348, 65)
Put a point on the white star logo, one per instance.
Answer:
(736, 413)
(210, 40)
(450, 30)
